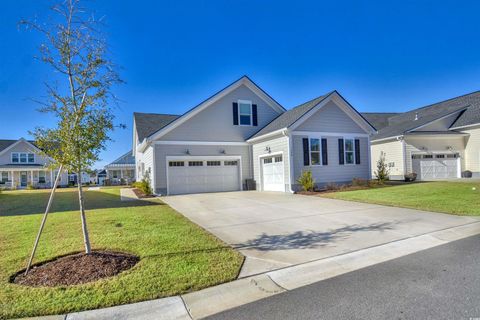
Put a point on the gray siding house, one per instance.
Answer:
(121, 170)
(241, 133)
(23, 164)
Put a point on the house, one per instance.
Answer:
(100, 177)
(438, 141)
(22, 164)
(241, 136)
(73, 178)
(122, 170)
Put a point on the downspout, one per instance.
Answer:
(290, 162)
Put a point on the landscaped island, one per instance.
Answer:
(176, 256)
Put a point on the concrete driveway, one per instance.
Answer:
(275, 230)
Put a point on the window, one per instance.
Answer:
(245, 112)
(31, 158)
(72, 177)
(428, 156)
(230, 163)
(452, 156)
(440, 156)
(23, 158)
(213, 163)
(278, 159)
(41, 177)
(315, 152)
(268, 160)
(176, 164)
(15, 158)
(349, 151)
(4, 177)
(195, 163)
(416, 156)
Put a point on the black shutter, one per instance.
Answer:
(235, 114)
(324, 152)
(306, 152)
(254, 115)
(357, 151)
(341, 153)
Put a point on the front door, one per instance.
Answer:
(23, 179)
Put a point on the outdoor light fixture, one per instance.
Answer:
(187, 151)
(223, 151)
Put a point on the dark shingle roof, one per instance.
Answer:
(127, 158)
(149, 123)
(404, 122)
(4, 144)
(378, 119)
(289, 117)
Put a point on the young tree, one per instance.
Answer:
(80, 95)
(382, 171)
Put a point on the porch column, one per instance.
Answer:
(12, 179)
(31, 177)
(51, 178)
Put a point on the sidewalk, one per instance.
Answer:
(200, 304)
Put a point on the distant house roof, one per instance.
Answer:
(4, 144)
(378, 119)
(467, 106)
(148, 123)
(125, 160)
(289, 117)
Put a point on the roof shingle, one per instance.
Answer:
(148, 123)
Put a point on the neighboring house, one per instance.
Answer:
(73, 178)
(242, 134)
(22, 164)
(438, 141)
(122, 170)
(101, 176)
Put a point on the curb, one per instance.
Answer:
(209, 301)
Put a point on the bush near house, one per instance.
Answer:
(306, 181)
(382, 171)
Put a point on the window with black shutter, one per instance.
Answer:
(341, 153)
(235, 114)
(324, 152)
(306, 152)
(357, 151)
(254, 115)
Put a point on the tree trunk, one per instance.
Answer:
(86, 239)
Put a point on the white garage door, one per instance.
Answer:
(272, 173)
(201, 175)
(435, 166)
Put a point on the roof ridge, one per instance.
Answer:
(442, 101)
(160, 114)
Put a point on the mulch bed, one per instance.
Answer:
(140, 194)
(76, 269)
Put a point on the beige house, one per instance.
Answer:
(438, 141)
(22, 164)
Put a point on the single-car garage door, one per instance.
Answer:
(272, 173)
(435, 166)
(203, 175)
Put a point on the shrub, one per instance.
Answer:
(30, 187)
(382, 171)
(144, 185)
(306, 181)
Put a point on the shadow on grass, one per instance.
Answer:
(308, 239)
(25, 203)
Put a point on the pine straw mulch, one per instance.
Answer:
(140, 194)
(76, 269)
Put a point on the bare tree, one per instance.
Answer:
(80, 94)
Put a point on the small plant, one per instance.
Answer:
(30, 187)
(306, 181)
(332, 186)
(359, 182)
(382, 171)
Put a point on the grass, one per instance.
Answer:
(459, 198)
(176, 255)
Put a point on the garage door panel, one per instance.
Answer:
(207, 177)
(273, 173)
(438, 166)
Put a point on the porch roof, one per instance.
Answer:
(9, 167)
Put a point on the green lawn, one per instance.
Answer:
(176, 255)
(458, 198)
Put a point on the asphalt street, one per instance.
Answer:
(439, 283)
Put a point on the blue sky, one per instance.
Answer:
(380, 55)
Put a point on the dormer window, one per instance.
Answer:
(21, 157)
(245, 112)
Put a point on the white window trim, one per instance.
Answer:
(310, 151)
(345, 151)
(19, 155)
(251, 112)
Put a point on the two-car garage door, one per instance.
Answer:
(202, 175)
(435, 166)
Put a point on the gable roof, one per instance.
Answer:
(291, 117)
(379, 119)
(465, 105)
(125, 159)
(148, 123)
(6, 144)
(244, 80)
